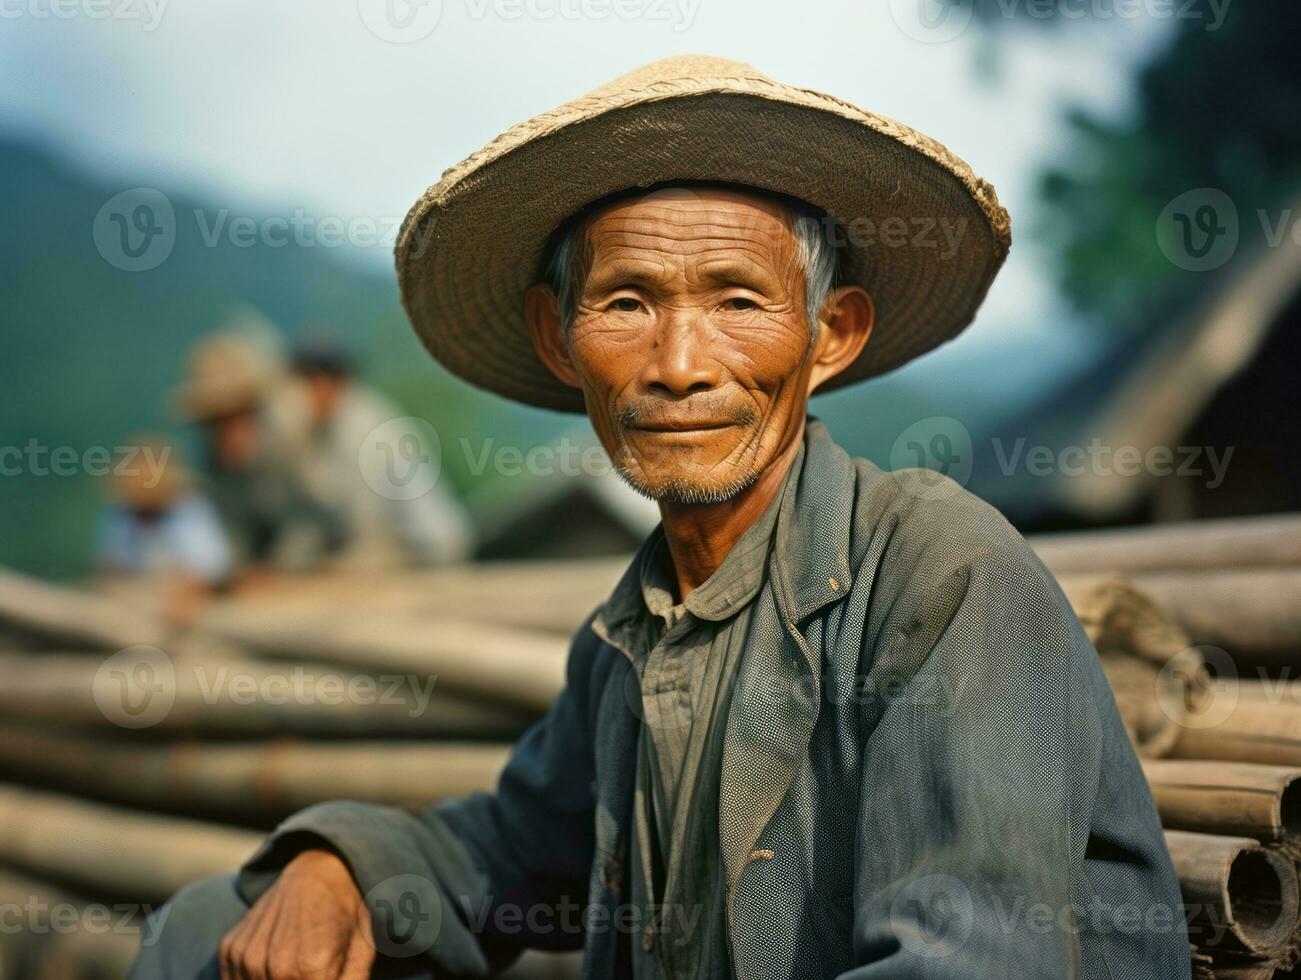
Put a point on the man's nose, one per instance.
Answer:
(681, 362)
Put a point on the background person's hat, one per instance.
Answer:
(472, 245)
(226, 374)
(318, 350)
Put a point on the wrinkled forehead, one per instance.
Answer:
(690, 221)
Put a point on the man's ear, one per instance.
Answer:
(543, 315)
(843, 329)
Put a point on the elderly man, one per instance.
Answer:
(833, 721)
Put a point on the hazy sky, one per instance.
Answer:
(336, 108)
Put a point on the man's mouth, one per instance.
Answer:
(702, 414)
(683, 425)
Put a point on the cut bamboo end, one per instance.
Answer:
(1236, 892)
(1262, 898)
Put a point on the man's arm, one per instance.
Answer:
(980, 774)
(467, 883)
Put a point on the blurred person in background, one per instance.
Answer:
(344, 427)
(159, 536)
(235, 392)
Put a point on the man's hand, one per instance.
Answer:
(310, 925)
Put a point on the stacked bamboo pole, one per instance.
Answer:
(258, 782)
(506, 593)
(519, 667)
(1211, 615)
(248, 698)
(142, 860)
(142, 855)
(1230, 798)
(133, 761)
(1246, 542)
(43, 615)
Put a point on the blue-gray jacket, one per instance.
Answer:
(924, 776)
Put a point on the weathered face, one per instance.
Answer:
(691, 340)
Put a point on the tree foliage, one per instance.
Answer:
(1213, 109)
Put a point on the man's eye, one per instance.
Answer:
(626, 304)
(740, 304)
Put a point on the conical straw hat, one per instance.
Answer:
(473, 243)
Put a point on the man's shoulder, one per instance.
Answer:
(930, 526)
(933, 554)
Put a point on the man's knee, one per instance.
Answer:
(181, 938)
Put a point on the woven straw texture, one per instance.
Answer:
(472, 244)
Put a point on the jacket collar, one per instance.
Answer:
(810, 559)
(771, 721)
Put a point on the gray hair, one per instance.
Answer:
(815, 240)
